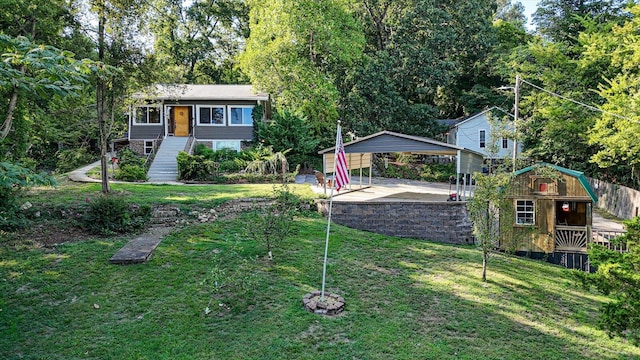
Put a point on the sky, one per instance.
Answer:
(530, 7)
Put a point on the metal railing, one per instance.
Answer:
(154, 150)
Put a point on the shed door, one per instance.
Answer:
(181, 118)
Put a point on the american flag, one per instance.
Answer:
(342, 173)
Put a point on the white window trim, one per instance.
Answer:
(134, 116)
(242, 107)
(533, 212)
(224, 115)
(215, 148)
(480, 139)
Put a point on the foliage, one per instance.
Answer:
(263, 160)
(112, 214)
(73, 158)
(616, 132)
(618, 276)
(228, 160)
(291, 134)
(413, 169)
(129, 172)
(275, 222)
(14, 178)
(126, 156)
(296, 50)
(194, 167)
(489, 197)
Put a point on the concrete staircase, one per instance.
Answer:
(165, 166)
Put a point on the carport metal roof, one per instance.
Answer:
(467, 161)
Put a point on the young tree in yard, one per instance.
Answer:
(490, 194)
(484, 207)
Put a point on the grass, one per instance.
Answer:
(406, 299)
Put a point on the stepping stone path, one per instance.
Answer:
(141, 248)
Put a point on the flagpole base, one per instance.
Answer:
(332, 305)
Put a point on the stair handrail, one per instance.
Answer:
(191, 142)
(154, 149)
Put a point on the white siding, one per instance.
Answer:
(467, 135)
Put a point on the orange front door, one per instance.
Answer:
(181, 120)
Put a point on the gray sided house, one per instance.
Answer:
(219, 116)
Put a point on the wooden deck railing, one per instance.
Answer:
(571, 238)
(604, 237)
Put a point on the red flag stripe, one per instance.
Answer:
(342, 173)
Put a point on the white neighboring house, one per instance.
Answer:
(475, 133)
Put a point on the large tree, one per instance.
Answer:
(420, 57)
(561, 20)
(196, 42)
(298, 49)
(616, 131)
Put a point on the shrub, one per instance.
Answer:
(275, 222)
(288, 132)
(13, 178)
(194, 167)
(71, 159)
(126, 156)
(128, 172)
(111, 214)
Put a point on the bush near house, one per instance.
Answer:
(259, 164)
(131, 167)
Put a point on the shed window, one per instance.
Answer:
(211, 115)
(483, 138)
(525, 212)
(147, 115)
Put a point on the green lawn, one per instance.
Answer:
(406, 299)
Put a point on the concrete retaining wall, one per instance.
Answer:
(446, 222)
(620, 201)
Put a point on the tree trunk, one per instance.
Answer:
(8, 121)
(100, 100)
(484, 266)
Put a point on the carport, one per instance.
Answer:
(359, 156)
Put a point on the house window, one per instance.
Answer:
(525, 212)
(211, 115)
(148, 146)
(483, 138)
(240, 115)
(505, 143)
(227, 144)
(147, 115)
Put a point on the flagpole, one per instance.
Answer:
(326, 243)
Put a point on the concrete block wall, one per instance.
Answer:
(446, 222)
(618, 200)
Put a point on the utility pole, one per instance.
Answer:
(516, 90)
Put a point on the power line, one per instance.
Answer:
(590, 107)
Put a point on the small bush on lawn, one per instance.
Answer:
(274, 223)
(129, 172)
(112, 214)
